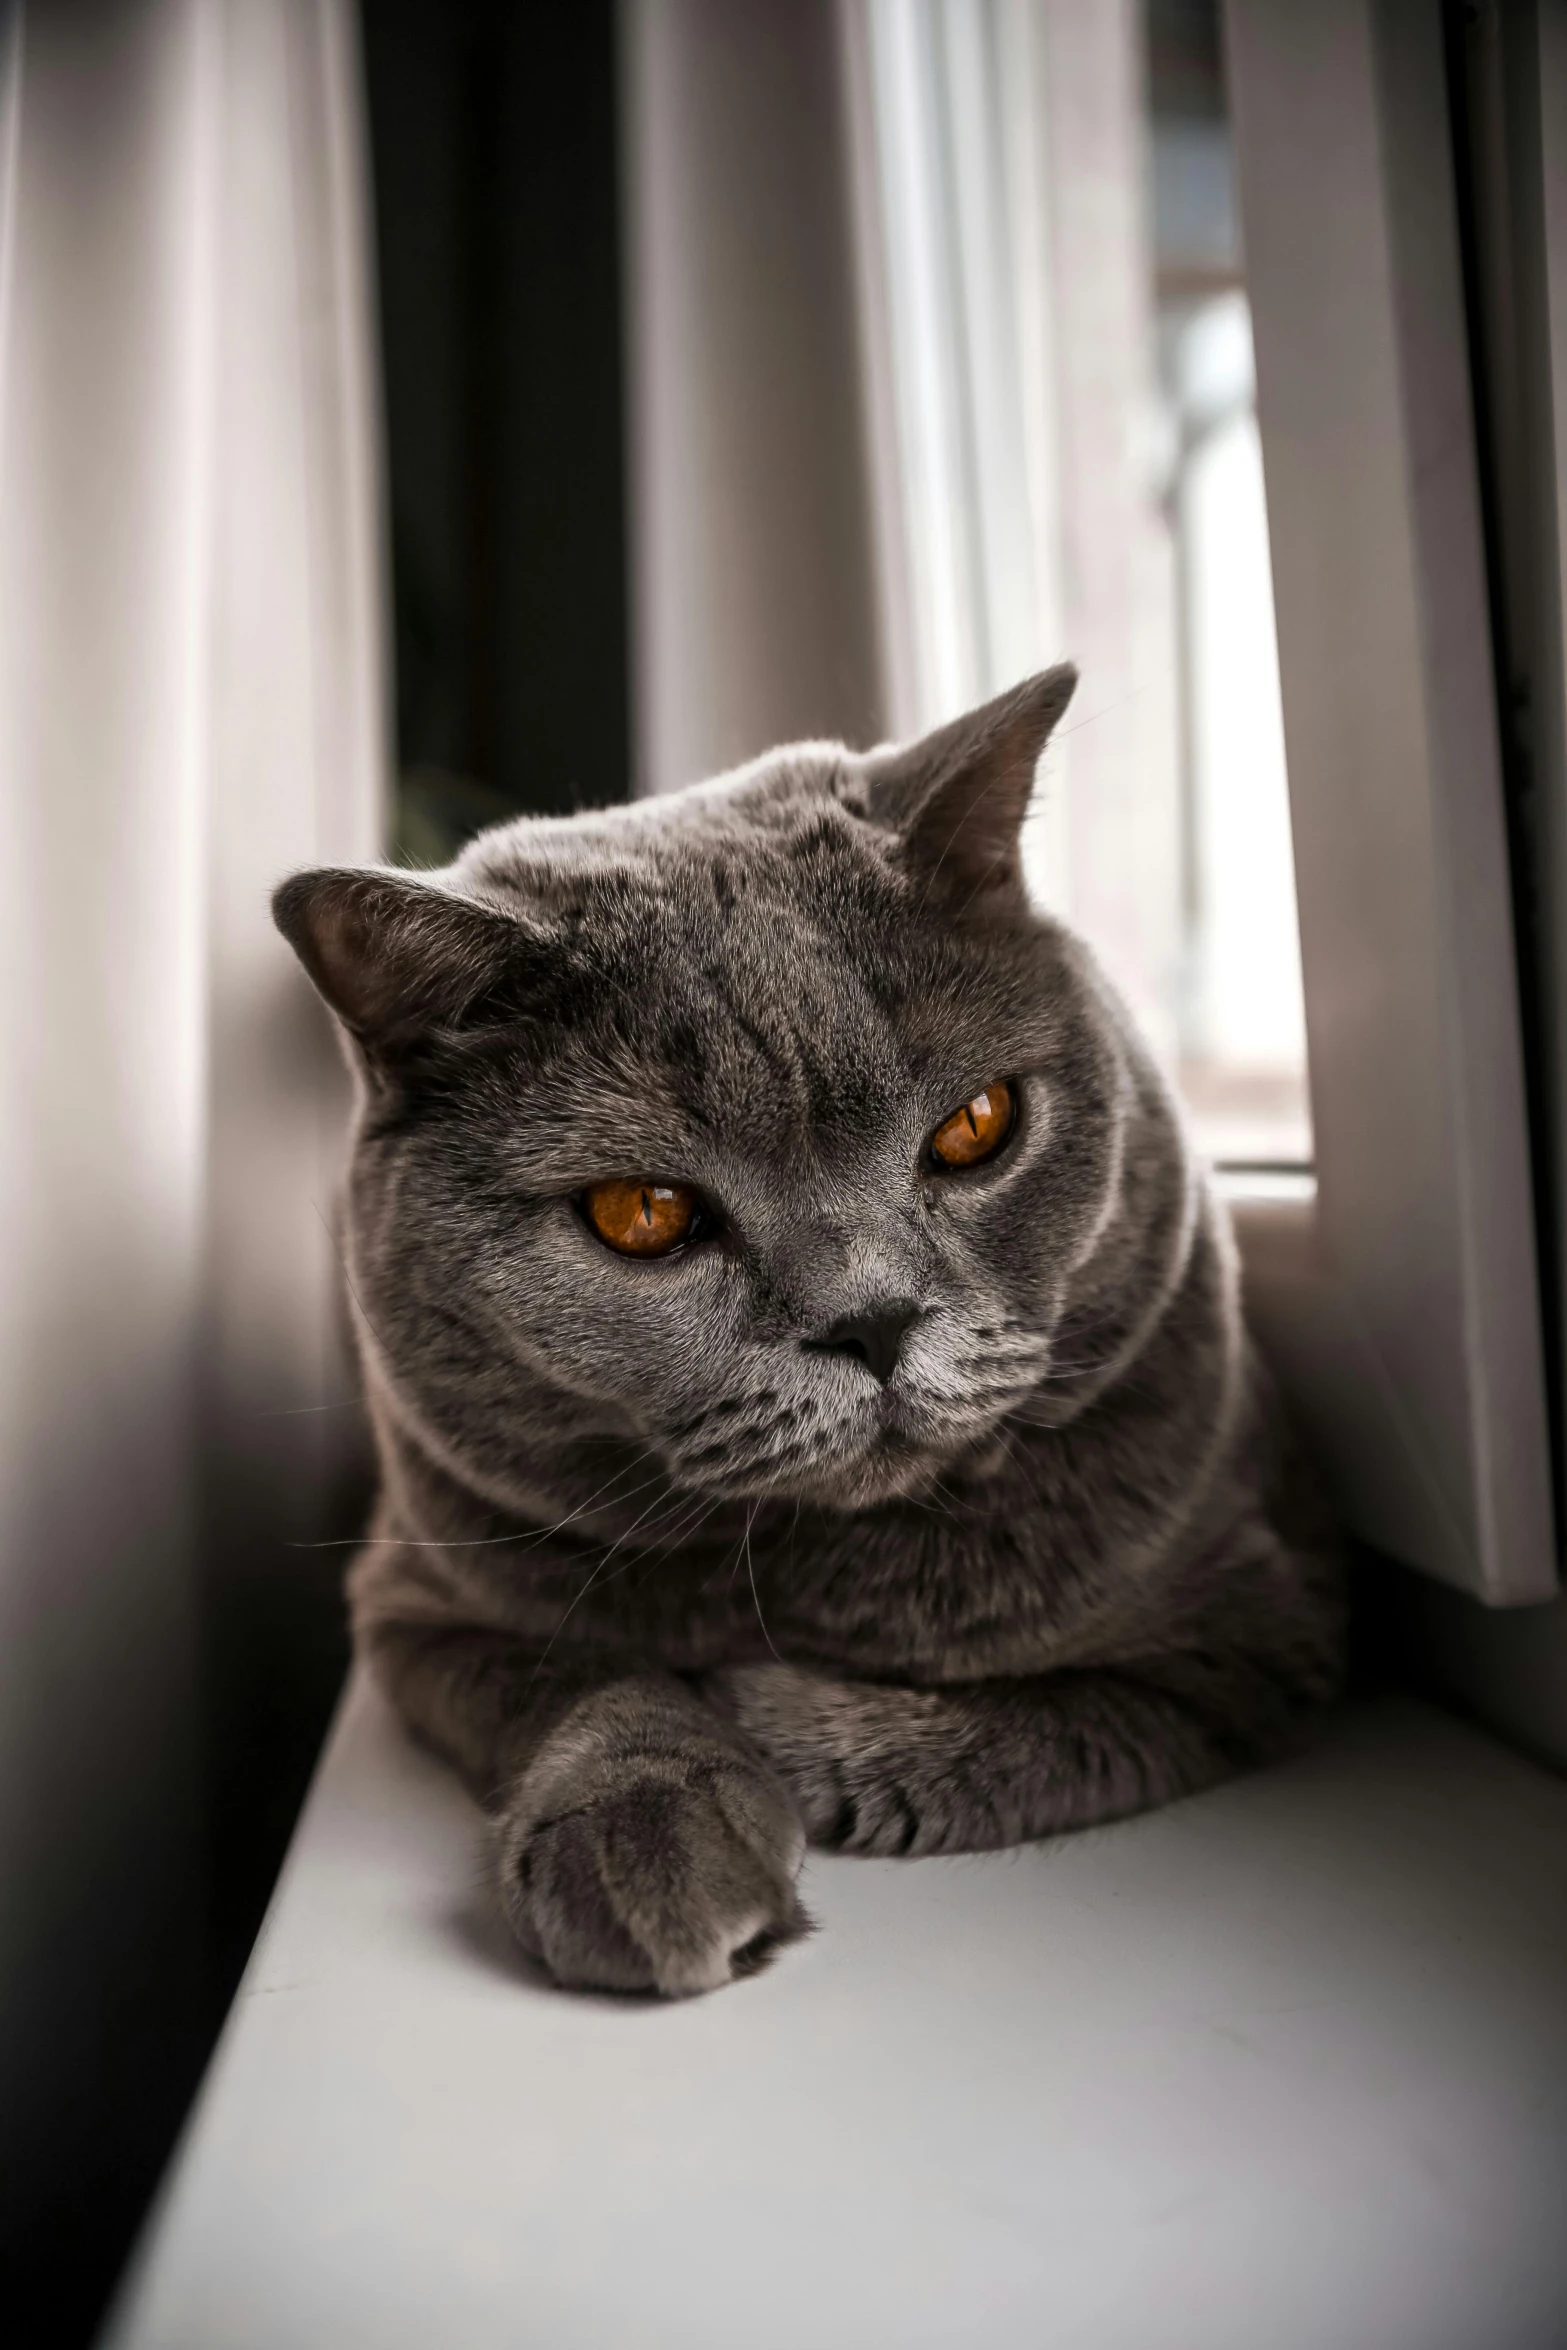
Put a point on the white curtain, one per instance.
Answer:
(1007, 350)
(892, 400)
(191, 703)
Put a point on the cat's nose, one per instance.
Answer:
(872, 1339)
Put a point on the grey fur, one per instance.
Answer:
(672, 1589)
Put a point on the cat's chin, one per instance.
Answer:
(893, 1467)
(896, 1472)
(898, 1456)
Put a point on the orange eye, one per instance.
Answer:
(641, 1219)
(978, 1129)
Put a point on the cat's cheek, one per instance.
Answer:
(625, 1329)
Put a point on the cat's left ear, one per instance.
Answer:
(959, 796)
(402, 961)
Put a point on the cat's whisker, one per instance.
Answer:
(932, 1509)
(1020, 1460)
(677, 1526)
(750, 1566)
(529, 1541)
(583, 1592)
(348, 1281)
(723, 1560)
(662, 1551)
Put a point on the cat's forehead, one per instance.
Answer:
(741, 980)
(754, 950)
(788, 818)
(759, 942)
(766, 883)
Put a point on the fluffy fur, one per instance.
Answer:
(676, 1589)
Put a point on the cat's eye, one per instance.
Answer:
(641, 1219)
(977, 1130)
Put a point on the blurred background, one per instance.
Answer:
(424, 413)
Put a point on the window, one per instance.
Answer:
(1241, 1009)
(1068, 461)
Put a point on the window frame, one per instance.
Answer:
(1399, 1295)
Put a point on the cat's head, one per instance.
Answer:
(766, 1122)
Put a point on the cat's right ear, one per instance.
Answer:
(398, 959)
(960, 796)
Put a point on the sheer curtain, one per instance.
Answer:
(1001, 230)
(892, 401)
(191, 702)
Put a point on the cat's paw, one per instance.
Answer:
(665, 1872)
(864, 1763)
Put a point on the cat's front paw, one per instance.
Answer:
(865, 1764)
(672, 1873)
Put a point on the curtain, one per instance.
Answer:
(892, 397)
(1004, 275)
(191, 703)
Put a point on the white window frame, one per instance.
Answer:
(1399, 1295)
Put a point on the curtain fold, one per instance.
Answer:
(191, 702)
(892, 399)
(1007, 354)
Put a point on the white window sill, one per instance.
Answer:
(1287, 2064)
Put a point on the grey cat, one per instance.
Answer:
(805, 1359)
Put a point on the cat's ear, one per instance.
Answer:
(397, 958)
(959, 796)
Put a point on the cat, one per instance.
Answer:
(805, 1356)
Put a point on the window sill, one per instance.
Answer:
(1290, 2057)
